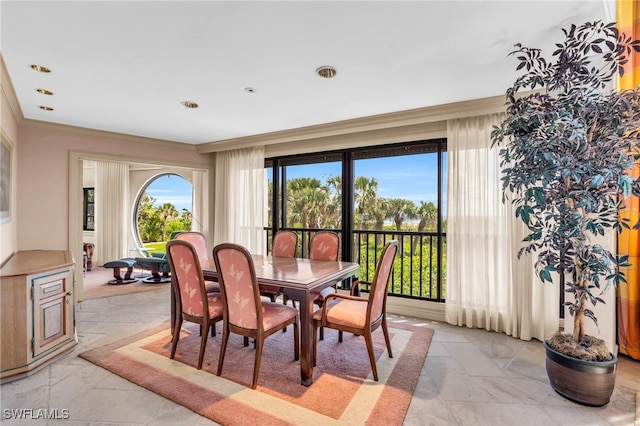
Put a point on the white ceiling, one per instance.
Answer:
(125, 66)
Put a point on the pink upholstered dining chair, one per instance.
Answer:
(244, 312)
(324, 245)
(358, 315)
(193, 303)
(199, 242)
(285, 244)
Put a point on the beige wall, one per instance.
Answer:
(43, 175)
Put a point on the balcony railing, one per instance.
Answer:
(419, 269)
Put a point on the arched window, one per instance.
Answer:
(165, 205)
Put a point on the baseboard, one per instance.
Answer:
(415, 308)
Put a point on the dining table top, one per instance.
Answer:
(294, 271)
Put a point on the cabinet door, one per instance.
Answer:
(52, 310)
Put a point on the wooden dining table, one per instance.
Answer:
(302, 280)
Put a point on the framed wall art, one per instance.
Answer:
(6, 157)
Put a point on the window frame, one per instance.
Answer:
(85, 208)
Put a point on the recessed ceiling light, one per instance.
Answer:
(326, 71)
(189, 104)
(250, 90)
(40, 68)
(45, 108)
(44, 91)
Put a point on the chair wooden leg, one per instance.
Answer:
(386, 336)
(284, 302)
(315, 343)
(372, 360)
(176, 335)
(256, 364)
(320, 302)
(223, 347)
(203, 345)
(340, 336)
(286, 299)
(296, 341)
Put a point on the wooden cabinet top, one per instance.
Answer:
(34, 261)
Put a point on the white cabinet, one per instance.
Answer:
(36, 319)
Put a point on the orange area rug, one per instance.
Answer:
(343, 391)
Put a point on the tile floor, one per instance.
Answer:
(471, 377)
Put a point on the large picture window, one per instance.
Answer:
(370, 196)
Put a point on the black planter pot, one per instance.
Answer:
(585, 382)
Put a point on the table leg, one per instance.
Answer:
(305, 302)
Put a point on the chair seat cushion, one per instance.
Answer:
(349, 313)
(122, 263)
(325, 292)
(215, 304)
(274, 314)
(147, 261)
(212, 287)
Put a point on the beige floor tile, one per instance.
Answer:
(471, 377)
(495, 414)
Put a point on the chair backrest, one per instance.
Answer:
(285, 244)
(187, 279)
(324, 245)
(240, 293)
(380, 282)
(88, 248)
(198, 241)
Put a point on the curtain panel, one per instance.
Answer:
(628, 294)
(200, 207)
(111, 211)
(241, 198)
(487, 285)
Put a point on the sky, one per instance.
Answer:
(171, 189)
(412, 177)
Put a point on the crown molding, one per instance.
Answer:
(396, 120)
(6, 86)
(104, 134)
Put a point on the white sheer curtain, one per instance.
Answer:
(111, 210)
(487, 285)
(200, 204)
(241, 198)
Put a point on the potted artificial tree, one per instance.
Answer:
(566, 152)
